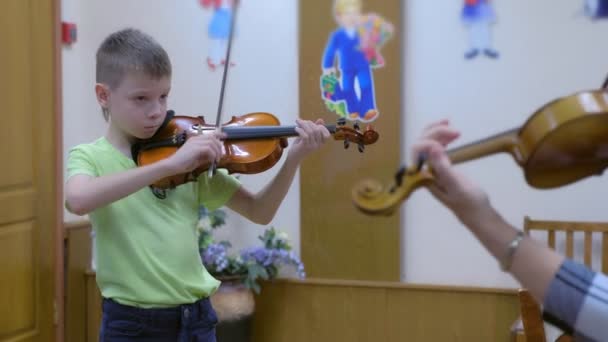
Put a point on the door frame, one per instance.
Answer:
(59, 301)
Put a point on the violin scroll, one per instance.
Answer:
(372, 198)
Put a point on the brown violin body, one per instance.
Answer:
(246, 156)
(254, 143)
(563, 142)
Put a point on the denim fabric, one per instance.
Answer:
(185, 323)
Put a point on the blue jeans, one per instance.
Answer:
(185, 323)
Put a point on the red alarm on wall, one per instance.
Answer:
(68, 32)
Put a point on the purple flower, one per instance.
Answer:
(215, 257)
(273, 257)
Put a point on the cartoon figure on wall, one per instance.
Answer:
(478, 16)
(218, 31)
(348, 89)
(596, 9)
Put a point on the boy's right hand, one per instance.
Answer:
(196, 151)
(465, 199)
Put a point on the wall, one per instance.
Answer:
(264, 78)
(548, 49)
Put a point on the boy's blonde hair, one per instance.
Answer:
(341, 6)
(130, 50)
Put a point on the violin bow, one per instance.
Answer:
(218, 120)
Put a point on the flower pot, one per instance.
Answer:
(234, 305)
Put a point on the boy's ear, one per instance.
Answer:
(103, 93)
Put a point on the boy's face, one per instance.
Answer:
(138, 105)
(349, 17)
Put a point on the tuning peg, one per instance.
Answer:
(421, 159)
(398, 178)
(341, 121)
(361, 147)
(356, 126)
(346, 143)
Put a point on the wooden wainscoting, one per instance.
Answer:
(332, 310)
(77, 253)
(93, 302)
(327, 310)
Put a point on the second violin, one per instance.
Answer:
(564, 141)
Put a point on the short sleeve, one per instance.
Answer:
(215, 192)
(80, 162)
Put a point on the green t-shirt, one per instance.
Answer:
(146, 248)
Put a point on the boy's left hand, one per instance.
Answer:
(312, 137)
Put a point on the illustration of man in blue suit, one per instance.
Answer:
(345, 43)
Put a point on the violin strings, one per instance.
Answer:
(249, 132)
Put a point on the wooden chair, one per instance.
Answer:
(530, 310)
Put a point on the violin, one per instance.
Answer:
(254, 143)
(562, 142)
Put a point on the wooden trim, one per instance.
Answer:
(604, 252)
(394, 285)
(383, 285)
(75, 225)
(531, 316)
(59, 238)
(567, 225)
(78, 260)
(82, 224)
(569, 244)
(551, 239)
(588, 251)
(328, 310)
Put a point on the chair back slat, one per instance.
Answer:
(551, 228)
(605, 253)
(551, 239)
(569, 244)
(588, 236)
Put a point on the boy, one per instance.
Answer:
(149, 272)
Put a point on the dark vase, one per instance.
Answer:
(234, 304)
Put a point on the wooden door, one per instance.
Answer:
(337, 240)
(28, 185)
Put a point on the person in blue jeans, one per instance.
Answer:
(345, 43)
(149, 270)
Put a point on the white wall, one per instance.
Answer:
(264, 79)
(548, 49)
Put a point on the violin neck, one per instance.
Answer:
(502, 142)
(261, 132)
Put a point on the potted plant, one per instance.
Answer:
(240, 272)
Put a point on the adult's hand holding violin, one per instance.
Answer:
(466, 200)
(312, 135)
(531, 263)
(199, 150)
